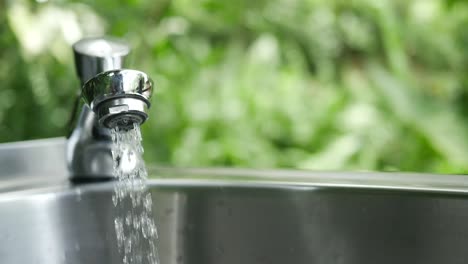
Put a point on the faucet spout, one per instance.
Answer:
(120, 98)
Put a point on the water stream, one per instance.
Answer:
(134, 224)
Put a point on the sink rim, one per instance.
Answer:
(251, 178)
(31, 171)
(454, 183)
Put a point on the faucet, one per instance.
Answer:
(113, 98)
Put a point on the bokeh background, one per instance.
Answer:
(310, 84)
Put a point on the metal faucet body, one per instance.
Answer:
(113, 97)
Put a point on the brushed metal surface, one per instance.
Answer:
(230, 222)
(224, 216)
(42, 158)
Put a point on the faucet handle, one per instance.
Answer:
(98, 54)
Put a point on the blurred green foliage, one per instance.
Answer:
(311, 84)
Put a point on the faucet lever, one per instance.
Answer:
(98, 54)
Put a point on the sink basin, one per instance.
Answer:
(228, 216)
(227, 221)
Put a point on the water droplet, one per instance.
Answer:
(128, 219)
(136, 223)
(147, 202)
(114, 199)
(128, 246)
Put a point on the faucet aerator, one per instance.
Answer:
(122, 112)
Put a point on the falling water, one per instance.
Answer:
(134, 226)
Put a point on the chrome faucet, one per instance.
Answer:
(113, 97)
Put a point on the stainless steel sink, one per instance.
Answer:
(226, 216)
(232, 221)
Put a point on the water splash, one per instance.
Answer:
(134, 226)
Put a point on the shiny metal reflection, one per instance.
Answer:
(98, 54)
(114, 97)
(119, 97)
(212, 222)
